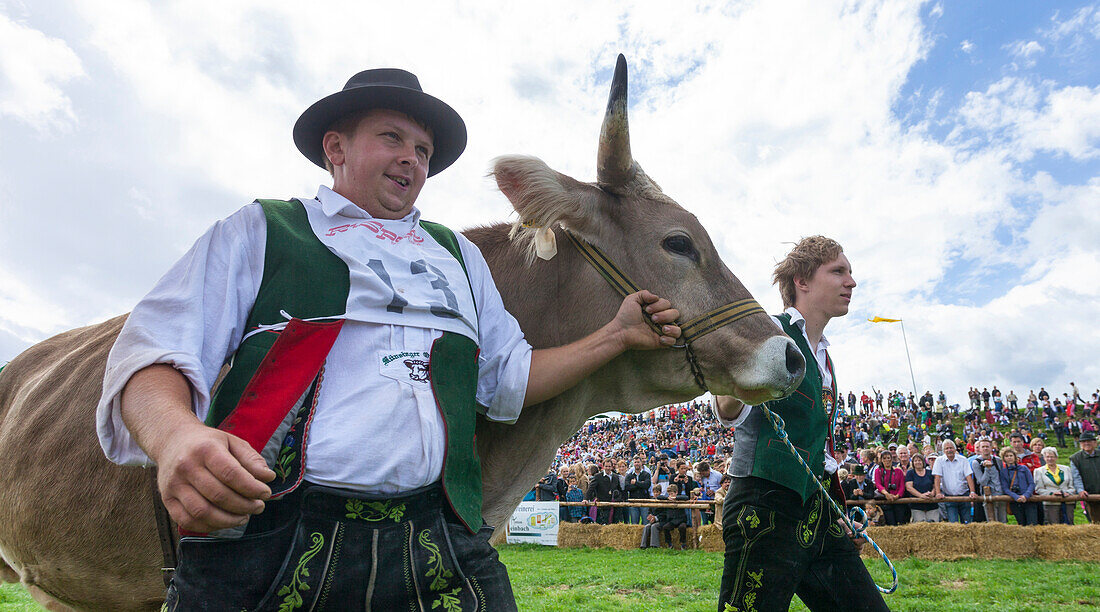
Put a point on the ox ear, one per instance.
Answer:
(544, 198)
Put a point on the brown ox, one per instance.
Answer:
(79, 530)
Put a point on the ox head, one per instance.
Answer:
(663, 248)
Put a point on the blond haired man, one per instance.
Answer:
(781, 534)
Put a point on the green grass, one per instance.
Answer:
(605, 580)
(583, 580)
(14, 599)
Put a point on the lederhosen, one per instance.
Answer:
(781, 534)
(319, 548)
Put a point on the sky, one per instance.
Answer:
(953, 148)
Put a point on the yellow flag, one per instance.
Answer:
(884, 320)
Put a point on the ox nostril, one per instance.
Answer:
(796, 363)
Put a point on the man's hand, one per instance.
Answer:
(630, 324)
(208, 479)
(856, 539)
(973, 495)
(211, 480)
(939, 495)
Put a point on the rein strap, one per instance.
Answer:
(690, 331)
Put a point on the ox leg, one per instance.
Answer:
(46, 600)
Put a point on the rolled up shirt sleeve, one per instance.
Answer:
(504, 361)
(735, 422)
(192, 320)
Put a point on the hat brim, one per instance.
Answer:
(448, 129)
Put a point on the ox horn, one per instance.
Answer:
(614, 164)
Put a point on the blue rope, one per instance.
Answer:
(778, 424)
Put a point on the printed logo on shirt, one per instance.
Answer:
(409, 367)
(380, 232)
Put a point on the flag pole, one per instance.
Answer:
(911, 377)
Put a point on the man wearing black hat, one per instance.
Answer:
(858, 488)
(357, 335)
(1084, 472)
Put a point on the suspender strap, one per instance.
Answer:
(166, 534)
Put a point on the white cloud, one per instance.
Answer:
(1025, 52)
(1027, 118)
(1085, 21)
(767, 127)
(33, 68)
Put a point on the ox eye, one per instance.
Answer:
(680, 244)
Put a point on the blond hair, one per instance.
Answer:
(803, 260)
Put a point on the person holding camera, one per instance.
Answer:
(987, 474)
(890, 485)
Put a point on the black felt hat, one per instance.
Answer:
(390, 88)
(1085, 437)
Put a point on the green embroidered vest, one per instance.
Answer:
(806, 423)
(269, 393)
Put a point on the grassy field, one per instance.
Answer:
(582, 580)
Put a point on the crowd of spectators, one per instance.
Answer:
(888, 447)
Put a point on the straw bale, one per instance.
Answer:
(1001, 541)
(1058, 542)
(940, 541)
(710, 537)
(620, 536)
(893, 541)
(576, 535)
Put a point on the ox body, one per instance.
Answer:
(79, 531)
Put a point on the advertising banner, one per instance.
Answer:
(534, 523)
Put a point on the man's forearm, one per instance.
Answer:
(155, 403)
(553, 370)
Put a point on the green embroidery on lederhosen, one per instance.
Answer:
(806, 530)
(752, 527)
(374, 511)
(446, 597)
(291, 593)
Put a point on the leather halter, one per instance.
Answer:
(689, 332)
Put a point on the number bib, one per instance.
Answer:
(399, 274)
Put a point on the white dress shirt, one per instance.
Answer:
(371, 431)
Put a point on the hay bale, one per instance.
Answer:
(1001, 541)
(619, 536)
(1061, 542)
(710, 538)
(892, 540)
(576, 535)
(940, 541)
